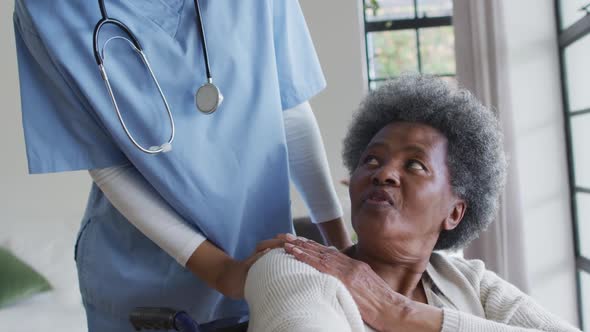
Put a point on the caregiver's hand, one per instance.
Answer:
(380, 307)
(222, 272)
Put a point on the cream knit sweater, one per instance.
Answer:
(286, 295)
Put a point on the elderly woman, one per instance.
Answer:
(427, 168)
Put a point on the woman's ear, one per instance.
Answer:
(455, 216)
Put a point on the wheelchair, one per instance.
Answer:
(169, 319)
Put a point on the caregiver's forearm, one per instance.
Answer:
(143, 207)
(209, 263)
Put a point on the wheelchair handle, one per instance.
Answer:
(149, 318)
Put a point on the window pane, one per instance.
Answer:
(585, 295)
(580, 125)
(570, 11)
(392, 53)
(376, 10)
(435, 8)
(437, 48)
(583, 207)
(577, 68)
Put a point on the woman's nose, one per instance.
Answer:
(386, 175)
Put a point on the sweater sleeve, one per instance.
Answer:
(285, 295)
(506, 308)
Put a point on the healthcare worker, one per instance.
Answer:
(190, 148)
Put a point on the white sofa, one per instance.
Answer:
(47, 246)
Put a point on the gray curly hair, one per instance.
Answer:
(475, 153)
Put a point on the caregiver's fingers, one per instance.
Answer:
(252, 259)
(287, 237)
(269, 244)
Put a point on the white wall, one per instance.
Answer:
(338, 38)
(540, 146)
(28, 200)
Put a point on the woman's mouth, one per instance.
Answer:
(379, 198)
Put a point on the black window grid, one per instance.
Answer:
(566, 37)
(415, 24)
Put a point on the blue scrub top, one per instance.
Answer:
(227, 174)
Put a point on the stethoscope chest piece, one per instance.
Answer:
(208, 98)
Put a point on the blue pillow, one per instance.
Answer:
(18, 280)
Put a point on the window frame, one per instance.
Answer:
(567, 36)
(415, 24)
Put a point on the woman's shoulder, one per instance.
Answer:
(277, 263)
(280, 272)
(284, 293)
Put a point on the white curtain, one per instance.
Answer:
(481, 57)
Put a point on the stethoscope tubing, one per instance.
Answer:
(154, 149)
(204, 105)
(104, 21)
(134, 42)
(203, 40)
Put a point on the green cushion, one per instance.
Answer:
(18, 280)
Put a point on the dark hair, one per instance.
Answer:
(476, 160)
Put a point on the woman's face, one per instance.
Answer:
(400, 193)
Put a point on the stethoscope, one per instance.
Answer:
(207, 97)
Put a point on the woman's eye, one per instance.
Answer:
(371, 161)
(416, 165)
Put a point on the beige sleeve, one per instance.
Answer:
(507, 309)
(285, 295)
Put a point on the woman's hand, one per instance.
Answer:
(380, 307)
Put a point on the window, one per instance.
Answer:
(409, 35)
(573, 18)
